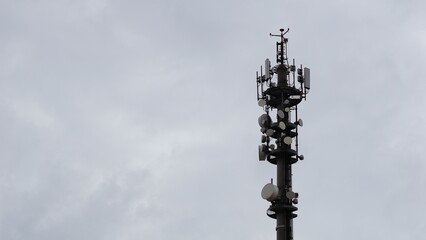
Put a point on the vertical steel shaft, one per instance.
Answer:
(281, 216)
(283, 169)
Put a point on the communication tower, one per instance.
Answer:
(280, 96)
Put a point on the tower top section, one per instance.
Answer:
(281, 46)
(292, 83)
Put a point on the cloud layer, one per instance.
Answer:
(137, 120)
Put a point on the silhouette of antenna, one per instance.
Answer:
(280, 138)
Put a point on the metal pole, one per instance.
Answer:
(283, 167)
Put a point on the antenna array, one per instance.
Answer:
(280, 96)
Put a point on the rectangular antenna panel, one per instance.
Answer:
(267, 69)
(307, 76)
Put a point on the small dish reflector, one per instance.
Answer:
(269, 132)
(264, 120)
(261, 102)
(300, 122)
(288, 140)
(287, 109)
(290, 195)
(271, 213)
(281, 125)
(280, 113)
(270, 192)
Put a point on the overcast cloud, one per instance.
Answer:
(138, 119)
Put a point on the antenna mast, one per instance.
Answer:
(280, 96)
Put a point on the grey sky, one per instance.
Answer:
(138, 119)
